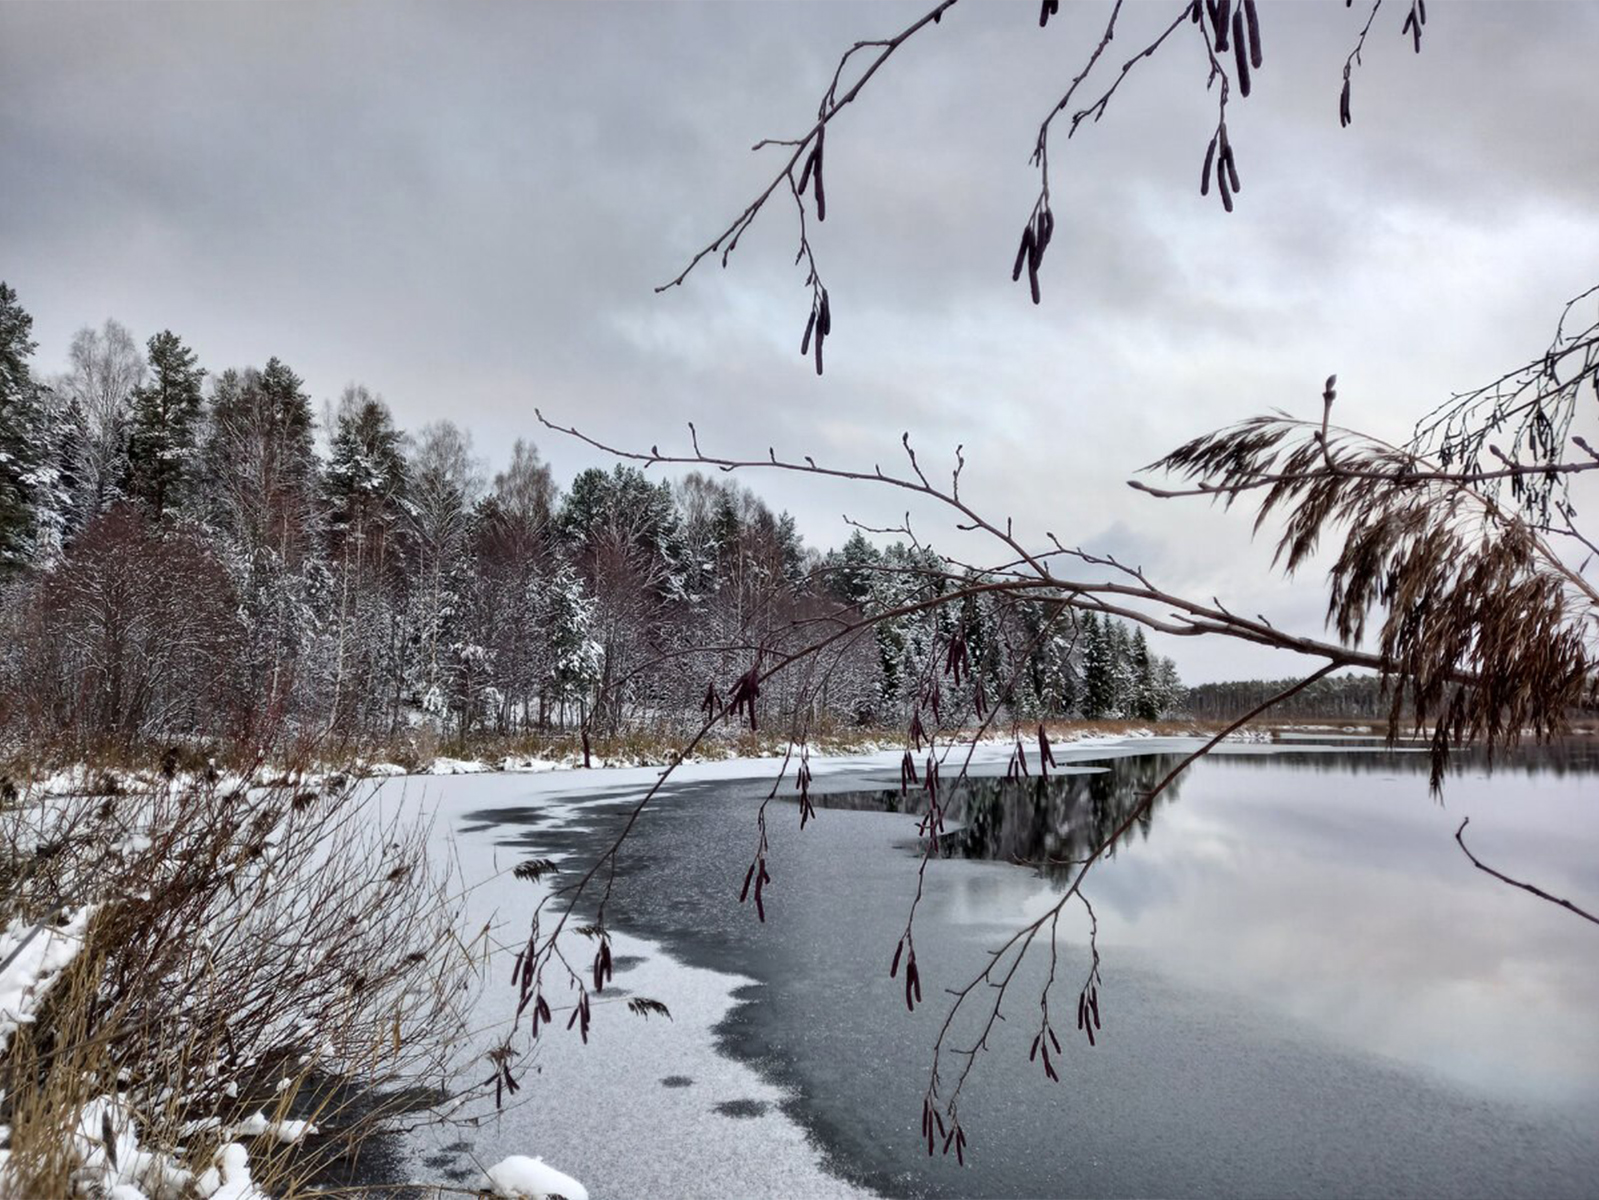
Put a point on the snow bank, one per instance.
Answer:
(34, 958)
(111, 1161)
(381, 770)
(230, 1178)
(457, 766)
(524, 1178)
(289, 1132)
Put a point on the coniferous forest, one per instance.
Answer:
(189, 553)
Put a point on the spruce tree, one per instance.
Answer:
(578, 658)
(1147, 702)
(792, 549)
(365, 480)
(166, 419)
(1099, 667)
(852, 569)
(20, 428)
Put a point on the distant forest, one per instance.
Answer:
(1356, 696)
(184, 553)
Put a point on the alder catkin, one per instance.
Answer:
(1023, 253)
(1240, 56)
(816, 184)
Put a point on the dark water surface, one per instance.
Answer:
(1308, 990)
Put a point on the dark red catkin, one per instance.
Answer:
(1024, 253)
(817, 189)
(1240, 55)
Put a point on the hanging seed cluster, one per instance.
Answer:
(802, 784)
(500, 1057)
(953, 1135)
(1088, 1008)
(759, 876)
(746, 690)
(819, 325)
(1035, 240)
(820, 322)
(811, 174)
(1039, 1046)
(1414, 21)
(913, 977)
(1236, 29)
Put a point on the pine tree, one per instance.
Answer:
(162, 442)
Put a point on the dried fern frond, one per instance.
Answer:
(1482, 626)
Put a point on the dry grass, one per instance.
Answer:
(274, 949)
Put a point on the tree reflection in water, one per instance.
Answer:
(1052, 823)
(1048, 823)
(1561, 757)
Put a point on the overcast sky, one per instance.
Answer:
(466, 208)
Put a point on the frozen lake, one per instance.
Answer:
(1307, 988)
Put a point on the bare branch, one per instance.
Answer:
(1526, 887)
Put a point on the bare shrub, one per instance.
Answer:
(133, 635)
(277, 950)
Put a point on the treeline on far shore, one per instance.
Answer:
(1358, 697)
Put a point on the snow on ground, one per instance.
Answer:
(82, 780)
(532, 1178)
(34, 957)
